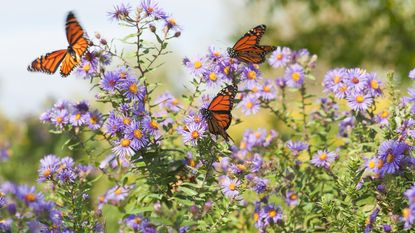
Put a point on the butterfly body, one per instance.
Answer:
(67, 59)
(218, 114)
(247, 48)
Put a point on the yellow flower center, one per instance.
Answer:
(195, 134)
(295, 76)
(360, 99)
(174, 102)
(86, 67)
(380, 164)
(192, 163)
(256, 217)
(293, 196)
(371, 164)
(30, 197)
(93, 119)
(337, 79)
(46, 173)
(172, 21)
(241, 167)
(254, 89)
(226, 70)
(266, 88)
(59, 119)
(212, 76)
(232, 186)
(78, 116)
(355, 80)
(323, 156)
(150, 10)
(133, 88)
(251, 75)
(389, 158)
(138, 134)
(257, 135)
(384, 114)
(126, 120)
(374, 84)
(137, 220)
(197, 64)
(125, 142)
(242, 145)
(367, 221)
(249, 105)
(118, 191)
(197, 119)
(279, 56)
(406, 213)
(272, 213)
(343, 88)
(154, 124)
(216, 54)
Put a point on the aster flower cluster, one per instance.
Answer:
(93, 61)
(357, 86)
(408, 214)
(22, 202)
(138, 223)
(62, 170)
(64, 115)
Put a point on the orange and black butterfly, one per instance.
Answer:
(218, 114)
(247, 49)
(68, 58)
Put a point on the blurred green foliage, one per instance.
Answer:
(353, 33)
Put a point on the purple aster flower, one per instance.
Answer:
(109, 81)
(134, 221)
(373, 164)
(171, 24)
(184, 229)
(48, 166)
(334, 78)
(281, 82)
(391, 153)
(359, 101)
(3, 200)
(46, 116)
(214, 54)
(410, 194)
(249, 105)
(213, 77)
(151, 8)
(87, 68)
(341, 91)
(84, 170)
(387, 228)
(257, 162)
(120, 12)
(77, 119)
(124, 74)
(371, 220)
(61, 105)
(28, 195)
(93, 119)
(250, 75)
(267, 91)
(323, 158)
(296, 147)
(116, 194)
(36, 226)
(151, 125)
(123, 147)
(223, 165)
(138, 136)
(168, 101)
(291, 198)
(373, 85)
(113, 124)
(230, 187)
(294, 75)
(6, 225)
(147, 227)
(346, 125)
(280, 57)
(133, 90)
(412, 74)
(60, 118)
(408, 217)
(357, 79)
(260, 185)
(382, 118)
(271, 214)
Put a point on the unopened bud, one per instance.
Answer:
(152, 28)
(97, 35)
(103, 41)
(177, 34)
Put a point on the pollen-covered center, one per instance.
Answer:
(138, 134)
(266, 88)
(118, 191)
(213, 76)
(371, 164)
(295, 76)
(195, 134)
(390, 157)
(86, 67)
(337, 79)
(226, 70)
(323, 156)
(30, 197)
(360, 98)
(384, 114)
(78, 116)
(249, 104)
(197, 64)
(125, 142)
(279, 56)
(355, 80)
(272, 213)
(133, 88)
(251, 75)
(154, 124)
(374, 84)
(232, 186)
(46, 173)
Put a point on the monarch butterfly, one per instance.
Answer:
(247, 49)
(68, 58)
(218, 114)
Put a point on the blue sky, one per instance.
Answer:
(32, 28)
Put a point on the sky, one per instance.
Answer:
(33, 28)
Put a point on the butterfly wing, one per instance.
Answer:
(68, 64)
(251, 38)
(48, 63)
(220, 112)
(255, 54)
(74, 31)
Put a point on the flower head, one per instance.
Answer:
(280, 57)
(323, 158)
(294, 75)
